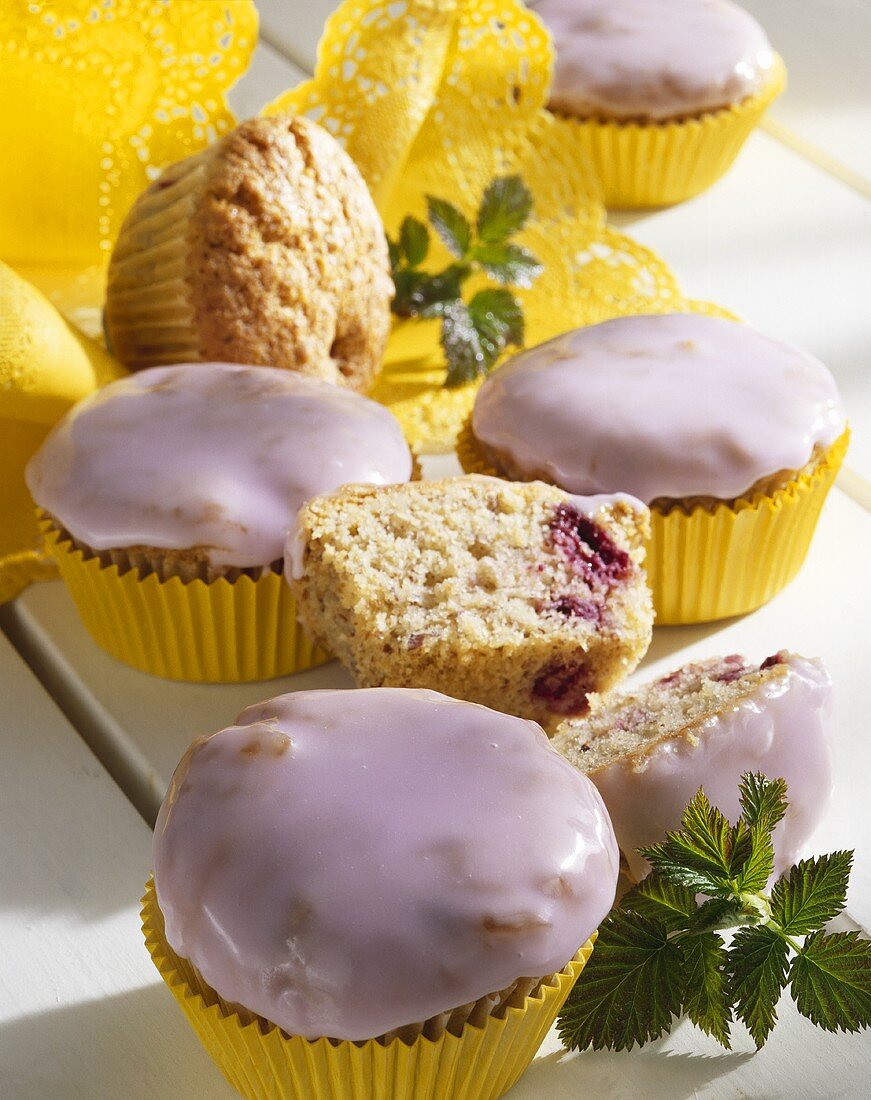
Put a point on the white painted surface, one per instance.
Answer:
(828, 100)
(82, 1013)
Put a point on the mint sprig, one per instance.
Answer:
(474, 333)
(659, 954)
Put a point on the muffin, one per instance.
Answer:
(520, 597)
(733, 439)
(421, 878)
(664, 92)
(167, 497)
(264, 249)
(705, 725)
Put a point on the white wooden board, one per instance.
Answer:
(785, 243)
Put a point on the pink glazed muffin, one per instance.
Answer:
(167, 498)
(705, 725)
(730, 437)
(664, 92)
(420, 875)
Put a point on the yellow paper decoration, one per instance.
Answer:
(98, 96)
(462, 102)
(45, 366)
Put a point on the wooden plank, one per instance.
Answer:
(83, 1013)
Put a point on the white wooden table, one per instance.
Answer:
(785, 242)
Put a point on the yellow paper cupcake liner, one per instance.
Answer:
(261, 1061)
(217, 632)
(659, 163)
(706, 563)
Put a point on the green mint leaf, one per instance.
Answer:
(763, 800)
(629, 991)
(660, 900)
(413, 241)
(450, 224)
(705, 1001)
(505, 207)
(467, 355)
(697, 857)
(408, 287)
(830, 980)
(475, 335)
(508, 263)
(756, 965)
(752, 858)
(418, 294)
(394, 251)
(439, 291)
(498, 317)
(813, 893)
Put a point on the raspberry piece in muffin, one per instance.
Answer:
(704, 725)
(518, 596)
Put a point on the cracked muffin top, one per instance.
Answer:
(265, 249)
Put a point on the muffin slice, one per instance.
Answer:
(518, 596)
(704, 725)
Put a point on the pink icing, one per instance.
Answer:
(672, 405)
(783, 729)
(652, 59)
(212, 455)
(344, 863)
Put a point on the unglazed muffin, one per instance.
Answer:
(416, 871)
(264, 249)
(731, 438)
(705, 725)
(665, 91)
(168, 496)
(520, 597)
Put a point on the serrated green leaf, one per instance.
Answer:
(414, 241)
(763, 800)
(752, 859)
(629, 991)
(705, 998)
(450, 224)
(498, 316)
(467, 355)
(830, 980)
(419, 294)
(659, 900)
(812, 893)
(395, 253)
(508, 263)
(717, 913)
(756, 966)
(475, 335)
(698, 856)
(407, 288)
(505, 208)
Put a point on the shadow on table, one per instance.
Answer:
(669, 640)
(651, 1074)
(135, 1045)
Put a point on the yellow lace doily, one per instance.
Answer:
(96, 97)
(441, 97)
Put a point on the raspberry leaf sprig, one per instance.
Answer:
(474, 333)
(659, 954)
